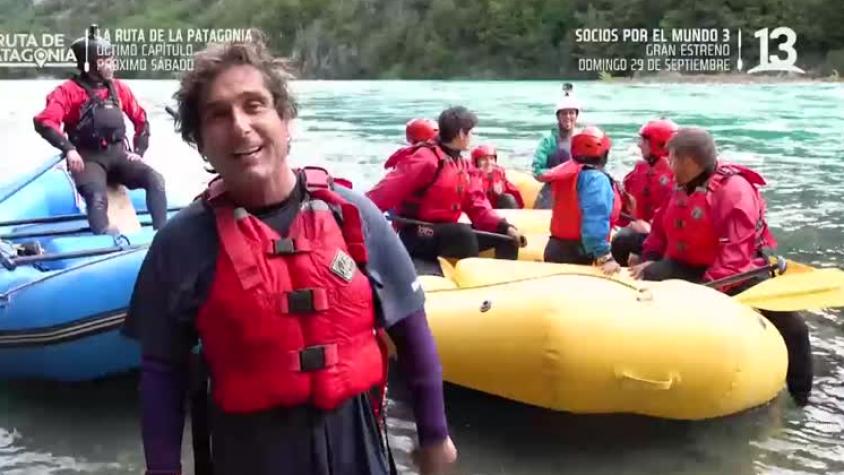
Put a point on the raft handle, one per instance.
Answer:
(628, 377)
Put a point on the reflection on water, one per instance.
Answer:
(791, 133)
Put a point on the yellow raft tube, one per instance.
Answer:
(566, 338)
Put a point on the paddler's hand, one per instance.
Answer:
(641, 226)
(74, 161)
(608, 265)
(633, 259)
(133, 157)
(637, 271)
(436, 458)
(517, 236)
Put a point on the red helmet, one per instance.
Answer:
(656, 133)
(421, 130)
(483, 151)
(590, 142)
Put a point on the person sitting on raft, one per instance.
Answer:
(83, 118)
(648, 187)
(416, 131)
(587, 203)
(434, 186)
(713, 226)
(500, 192)
(555, 147)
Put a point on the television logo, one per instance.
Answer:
(785, 38)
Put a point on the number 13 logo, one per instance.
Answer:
(773, 62)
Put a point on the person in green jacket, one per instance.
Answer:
(554, 148)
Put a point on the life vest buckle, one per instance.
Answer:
(286, 246)
(315, 358)
(304, 301)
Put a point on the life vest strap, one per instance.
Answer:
(314, 358)
(304, 301)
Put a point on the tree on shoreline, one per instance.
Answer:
(426, 39)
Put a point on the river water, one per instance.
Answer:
(791, 133)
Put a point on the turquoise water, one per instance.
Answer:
(791, 133)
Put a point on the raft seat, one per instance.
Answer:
(121, 213)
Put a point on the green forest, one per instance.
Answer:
(484, 39)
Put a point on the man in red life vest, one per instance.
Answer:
(285, 279)
(646, 187)
(713, 226)
(416, 131)
(499, 191)
(90, 106)
(586, 203)
(435, 185)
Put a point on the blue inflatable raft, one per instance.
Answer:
(63, 290)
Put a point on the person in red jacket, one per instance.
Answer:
(434, 185)
(647, 187)
(713, 226)
(416, 131)
(586, 204)
(84, 119)
(500, 192)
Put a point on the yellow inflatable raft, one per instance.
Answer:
(566, 338)
(528, 186)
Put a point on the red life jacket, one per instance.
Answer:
(441, 201)
(400, 155)
(494, 183)
(689, 229)
(290, 321)
(566, 215)
(650, 186)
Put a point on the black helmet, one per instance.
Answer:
(97, 47)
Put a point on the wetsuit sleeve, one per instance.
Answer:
(163, 388)
(477, 207)
(402, 312)
(137, 115)
(174, 276)
(653, 249)
(421, 369)
(546, 147)
(163, 364)
(595, 196)
(48, 123)
(735, 211)
(409, 176)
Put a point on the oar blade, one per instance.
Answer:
(821, 288)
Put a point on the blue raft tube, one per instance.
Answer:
(64, 291)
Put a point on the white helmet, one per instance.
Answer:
(568, 101)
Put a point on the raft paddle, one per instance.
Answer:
(66, 217)
(779, 266)
(820, 288)
(12, 262)
(498, 236)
